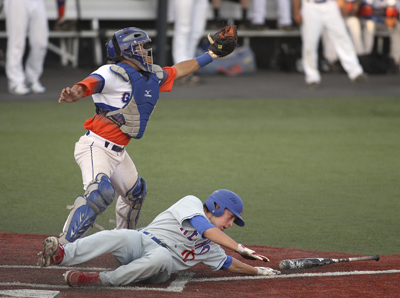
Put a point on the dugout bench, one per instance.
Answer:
(66, 43)
(94, 12)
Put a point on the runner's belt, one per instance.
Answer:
(156, 240)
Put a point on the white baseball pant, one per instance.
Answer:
(93, 157)
(353, 25)
(190, 22)
(317, 16)
(284, 12)
(25, 18)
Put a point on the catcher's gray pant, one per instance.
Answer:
(139, 256)
(25, 18)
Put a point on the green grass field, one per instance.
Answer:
(319, 174)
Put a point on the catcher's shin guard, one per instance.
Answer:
(135, 198)
(99, 194)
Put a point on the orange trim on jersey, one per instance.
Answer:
(106, 129)
(93, 83)
(169, 81)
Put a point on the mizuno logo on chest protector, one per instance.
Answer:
(145, 93)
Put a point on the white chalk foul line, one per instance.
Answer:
(56, 268)
(294, 275)
(175, 286)
(184, 278)
(29, 293)
(44, 286)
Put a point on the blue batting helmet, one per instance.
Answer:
(226, 199)
(130, 43)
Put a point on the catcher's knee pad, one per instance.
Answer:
(80, 219)
(100, 193)
(135, 198)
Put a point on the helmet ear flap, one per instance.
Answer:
(116, 45)
(113, 50)
(218, 210)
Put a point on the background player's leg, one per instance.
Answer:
(337, 32)
(311, 30)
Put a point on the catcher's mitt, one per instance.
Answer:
(224, 41)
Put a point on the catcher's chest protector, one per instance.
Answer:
(145, 93)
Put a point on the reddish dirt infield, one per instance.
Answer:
(18, 271)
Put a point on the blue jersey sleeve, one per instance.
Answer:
(200, 224)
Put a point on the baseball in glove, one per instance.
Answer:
(224, 41)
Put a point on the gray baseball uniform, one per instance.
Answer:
(186, 244)
(167, 245)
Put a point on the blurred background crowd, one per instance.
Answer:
(357, 37)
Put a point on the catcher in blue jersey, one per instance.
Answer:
(187, 233)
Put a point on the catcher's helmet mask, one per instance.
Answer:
(129, 44)
(226, 199)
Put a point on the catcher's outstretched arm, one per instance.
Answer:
(188, 67)
(222, 43)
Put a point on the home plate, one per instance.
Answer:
(29, 293)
